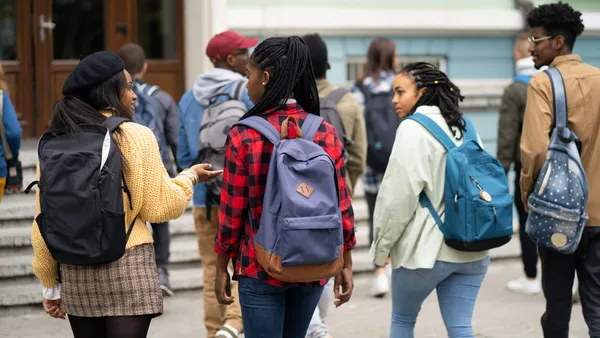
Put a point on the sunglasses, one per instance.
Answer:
(536, 41)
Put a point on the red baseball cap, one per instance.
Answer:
(223, 44)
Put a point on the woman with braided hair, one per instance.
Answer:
(281, 84)
(407, 232)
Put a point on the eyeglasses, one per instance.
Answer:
(535, 41)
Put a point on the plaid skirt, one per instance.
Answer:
(126, 287)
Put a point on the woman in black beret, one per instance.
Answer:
(117, 297)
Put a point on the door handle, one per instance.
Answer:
(43, 25)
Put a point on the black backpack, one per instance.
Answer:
(381, 123)
(330, 113)
(81, 186)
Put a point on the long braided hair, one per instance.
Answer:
(439, 92)
(288, 62)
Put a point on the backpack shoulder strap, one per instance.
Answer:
(336, 95)
(113, 122)
(238, 89)
(364, 90)
(150, 90)
(560, 98)
(434, 129)
(262, 126)
(311, 126)
(471, 132)
(425, 202)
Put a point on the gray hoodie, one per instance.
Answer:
(212, 82)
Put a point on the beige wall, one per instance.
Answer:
(202, 19)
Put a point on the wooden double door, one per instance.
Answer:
(41, 41)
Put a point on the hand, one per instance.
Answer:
(223, 287)
(53, 308)
(344, 280)
(204, 175)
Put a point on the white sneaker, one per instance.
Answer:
(576, 297)
(388, 271)
(525, 286)
(381, 286)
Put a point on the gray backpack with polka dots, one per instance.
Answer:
(557, 203)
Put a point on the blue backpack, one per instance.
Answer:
(557, 203)
(146, 113)
(300, 237)
(478, 205)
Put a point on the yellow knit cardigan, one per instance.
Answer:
(155, 196)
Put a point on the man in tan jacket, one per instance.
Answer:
(554, 30)
(354, 125)
(510, 124)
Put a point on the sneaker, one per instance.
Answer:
(576, 297)
(525, 286)
(163, 278)
(227, 331)
(381, 286)
(388, 271)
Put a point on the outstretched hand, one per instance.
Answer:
(205, 175)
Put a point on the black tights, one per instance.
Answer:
(113, 327)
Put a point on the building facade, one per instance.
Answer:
(472, 41)
(42, 40)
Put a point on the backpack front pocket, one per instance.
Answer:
(310, 240)
(554, 226)
(493, 219)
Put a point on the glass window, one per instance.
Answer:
(157, 28)
(355, 66)
(79, 28)
(8, 29)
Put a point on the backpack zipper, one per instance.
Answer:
(545, 181)
(483, 195)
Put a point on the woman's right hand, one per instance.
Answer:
(53, 308)
(205, 175)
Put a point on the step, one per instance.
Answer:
(28, 158)
(16, 218)
(25, 293)
(181, 279)
(15, 237)
(22, 206)
(184, 249)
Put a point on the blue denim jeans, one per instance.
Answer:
(457, 286)
(276, 312)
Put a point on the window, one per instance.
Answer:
(355, 65)
(8, 32)
(157, 28)
(79, 28)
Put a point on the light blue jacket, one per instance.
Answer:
(13, 132)
(191, 106)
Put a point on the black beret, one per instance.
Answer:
(93, 70)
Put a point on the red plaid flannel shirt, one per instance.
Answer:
(247, 156)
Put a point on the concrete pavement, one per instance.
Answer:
(498, 314)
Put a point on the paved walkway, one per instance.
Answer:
(498, 314)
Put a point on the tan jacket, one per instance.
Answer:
(582, 84)
(354, 124)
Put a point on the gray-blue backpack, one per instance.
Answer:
(557, 203)
(300, 237)
(146, 113)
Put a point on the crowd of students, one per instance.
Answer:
(273, 197)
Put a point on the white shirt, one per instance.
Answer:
(403, 229)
